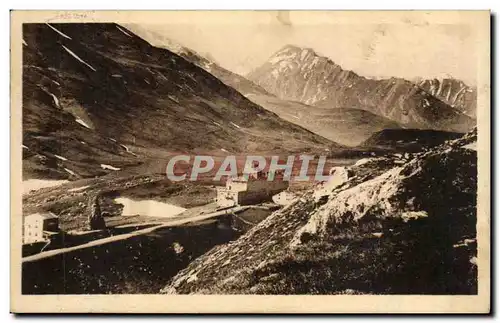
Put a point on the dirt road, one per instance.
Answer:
(134, 234)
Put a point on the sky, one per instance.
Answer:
(408, 47)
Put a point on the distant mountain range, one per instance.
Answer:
(347, 126)
(300, 74)
(95, 96)
(296, 84)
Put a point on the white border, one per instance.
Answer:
(191, 4)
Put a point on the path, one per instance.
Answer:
(134, 234)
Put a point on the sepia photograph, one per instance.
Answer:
(332, 154)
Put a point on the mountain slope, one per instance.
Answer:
(393, 226)
(409, 139)
(238, 82)
(299, 74)
(454, 92)
(97, 92)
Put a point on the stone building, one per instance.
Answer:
(40, 227)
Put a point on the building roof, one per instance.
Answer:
(45, 215)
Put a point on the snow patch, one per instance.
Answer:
(56, 100)
(284, 198)
(104, 166)
(282, 56)
(173, 98)
(127, 149)
(78, 58)
(56, 83)
(234, 124)
(284, 65)
(440, 87)
(178, 248)
(471, 146)
(449, 94)
(192, 278)
(59, 32)
(314, 62)
(80, 121)
(24, 43)
(338, 176)
(303, 54)
(70, 171)
(362, 161)
(60, 157)
(25, 147)
(413, 215)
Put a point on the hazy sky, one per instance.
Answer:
(403, 48)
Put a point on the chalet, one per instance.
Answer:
(39, 227)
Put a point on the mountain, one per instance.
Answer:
(387, 225)
(454, 92)
(345, 126)
(299, 74)
(97, 98)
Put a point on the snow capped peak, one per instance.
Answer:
(294, 53)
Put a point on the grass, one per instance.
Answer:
(414, 258)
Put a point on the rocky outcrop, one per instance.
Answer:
(300, 74)
(400, 224)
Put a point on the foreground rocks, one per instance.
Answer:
(398, 225)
